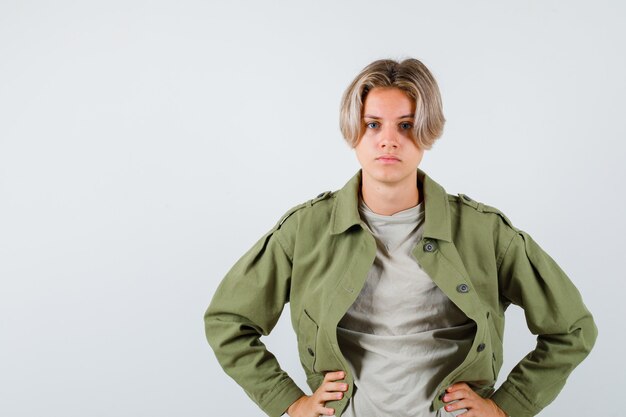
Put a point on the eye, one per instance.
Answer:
(406, 126)
(371, 125)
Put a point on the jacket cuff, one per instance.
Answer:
(285, 395)
(513, 402)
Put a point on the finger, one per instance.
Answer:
(325, 411)
(460, 404)
(334, 386)
(457, 395)
(464, 412)
(322, 397)
(334, 376)
(458, 386)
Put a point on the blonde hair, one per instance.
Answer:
(410, 76)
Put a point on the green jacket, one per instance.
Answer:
(317, 258)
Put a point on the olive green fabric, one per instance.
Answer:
(317, 258)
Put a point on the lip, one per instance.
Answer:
(388, 158)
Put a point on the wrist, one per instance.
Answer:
(501, 412)
(294, 405)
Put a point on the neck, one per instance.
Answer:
(388, 199)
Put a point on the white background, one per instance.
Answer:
(146, 145)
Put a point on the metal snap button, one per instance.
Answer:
(481, 347)
(463, 288)
(430, 247)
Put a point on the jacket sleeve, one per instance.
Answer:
(555, 312)
(247, 304)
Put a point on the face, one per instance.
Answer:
(386, 151)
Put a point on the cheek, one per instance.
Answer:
(363, 154)
(362, 146)
(359, 156)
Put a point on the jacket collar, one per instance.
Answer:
(437, 211)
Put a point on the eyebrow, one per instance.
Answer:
(369, 116)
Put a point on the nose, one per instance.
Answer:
(389, 138)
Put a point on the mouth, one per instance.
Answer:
(388, 158)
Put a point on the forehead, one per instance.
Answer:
(388, 101)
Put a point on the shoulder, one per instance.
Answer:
(308, 207)
(468, 206)
(305, 219)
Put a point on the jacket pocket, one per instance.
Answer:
(307, 336)
(497, 350)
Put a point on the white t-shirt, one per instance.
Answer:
(402, 335)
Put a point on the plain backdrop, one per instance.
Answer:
(146, 145)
